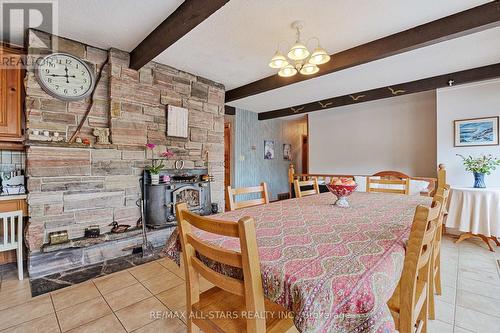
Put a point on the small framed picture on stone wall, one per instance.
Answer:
(177, 121)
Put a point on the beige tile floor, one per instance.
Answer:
(123, 301)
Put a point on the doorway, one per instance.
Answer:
(305, 154)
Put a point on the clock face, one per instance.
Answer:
(65, 76)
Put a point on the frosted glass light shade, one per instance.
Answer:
(298, 52)
(319, 57)
(309, 69)
(287, 71)
(278, 61)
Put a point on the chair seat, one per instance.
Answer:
(221, 311)
(394, 305)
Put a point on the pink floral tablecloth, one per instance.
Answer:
(334, 268)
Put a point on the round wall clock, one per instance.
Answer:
(65, 77)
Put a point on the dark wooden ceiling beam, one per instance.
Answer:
(229, 110)
(187, 16)
(463, 23)
(466, 76)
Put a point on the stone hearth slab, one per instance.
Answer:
(45, 264)
(57, 281)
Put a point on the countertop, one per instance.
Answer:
(13, 197)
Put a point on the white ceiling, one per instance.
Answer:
(112, 23)
(233, 46)
(108, 23)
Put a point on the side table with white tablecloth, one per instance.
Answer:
(475, 211)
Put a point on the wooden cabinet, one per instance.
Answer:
(12, 205)
(11, 96)
(8, 206)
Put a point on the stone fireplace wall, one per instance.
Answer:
(73, 186)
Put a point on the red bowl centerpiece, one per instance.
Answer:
(341, 189)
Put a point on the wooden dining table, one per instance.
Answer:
(334, 268)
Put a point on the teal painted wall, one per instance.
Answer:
(250, 167)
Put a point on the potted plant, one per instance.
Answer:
(479, 167)
(156, 164)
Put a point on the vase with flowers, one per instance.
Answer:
(480, 166)
(156, 163)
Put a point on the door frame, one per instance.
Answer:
(305, 153)
(228, 130)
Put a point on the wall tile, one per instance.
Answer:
(12, 160)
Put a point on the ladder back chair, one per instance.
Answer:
(229, 295)
(299, 193)
(409, 302)
(231, 193)
(442, 196)
(11, 236)
(396, 179)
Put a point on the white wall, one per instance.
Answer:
(476, 100)
(391, 134)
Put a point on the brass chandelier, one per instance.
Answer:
(299, 59)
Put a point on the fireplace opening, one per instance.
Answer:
(189, 195)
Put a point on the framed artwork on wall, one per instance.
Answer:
(268, 149)
(476, 132)
(177, 121)
(287, 152)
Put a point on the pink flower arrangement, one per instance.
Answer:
(167, 154)
(156, 168)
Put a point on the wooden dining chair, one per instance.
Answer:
(231, 193)
(11, 235)
(297, 185)
(396, 179)
(409, 302)
(442, 196)
(245, 298)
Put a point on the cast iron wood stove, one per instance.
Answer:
(184, 186)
